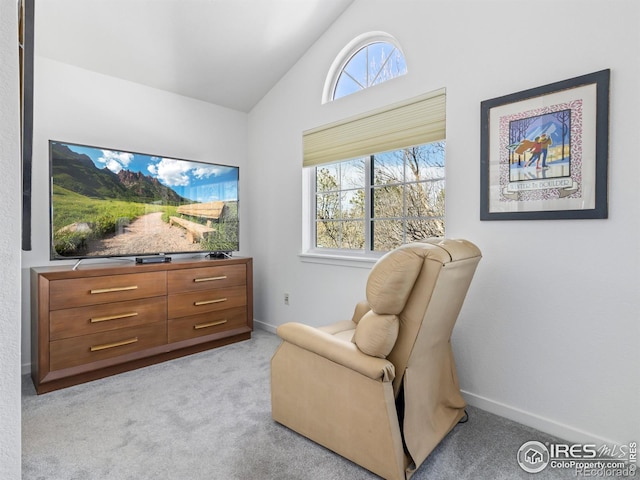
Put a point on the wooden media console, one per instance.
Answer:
(104, 319)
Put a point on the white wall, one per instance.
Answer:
(549, 332)
(10, 198)
(80, 106)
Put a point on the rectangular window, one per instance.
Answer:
(377, 179)
(376, 203)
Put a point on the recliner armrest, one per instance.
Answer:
(338, 351)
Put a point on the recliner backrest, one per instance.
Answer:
(424, 283)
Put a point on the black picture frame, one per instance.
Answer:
(563, 128)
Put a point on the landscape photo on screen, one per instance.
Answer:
(108, 203)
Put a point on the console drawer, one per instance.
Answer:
(195, 326)
(70, 352)
(207, 278)
(78, 292)
(77, 321)
(194, 303)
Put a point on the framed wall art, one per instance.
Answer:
(544, 151)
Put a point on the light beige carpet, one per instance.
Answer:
(208, 417)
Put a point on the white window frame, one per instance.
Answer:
(358, 258)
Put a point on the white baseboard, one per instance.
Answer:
(546, 425)
(264, 326)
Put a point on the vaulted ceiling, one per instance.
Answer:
(226, 52)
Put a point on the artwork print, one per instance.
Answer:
(538, 148)
(544, 151)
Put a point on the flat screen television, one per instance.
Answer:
(114, 203)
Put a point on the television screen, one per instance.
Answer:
(107, 203)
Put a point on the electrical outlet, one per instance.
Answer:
(286, 299)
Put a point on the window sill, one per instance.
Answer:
(339, 259)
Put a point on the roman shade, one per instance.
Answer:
(413, 122)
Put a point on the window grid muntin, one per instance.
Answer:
(335, 94)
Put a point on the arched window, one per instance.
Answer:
(368, 60)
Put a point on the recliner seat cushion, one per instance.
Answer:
(343, 330)
(376, 334)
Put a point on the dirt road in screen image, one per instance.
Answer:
(147, 234)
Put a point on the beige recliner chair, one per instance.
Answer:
(381, 389)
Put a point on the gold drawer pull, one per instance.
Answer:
(113, 317)
(209, 279)
(210, 324)
(114, 289)
(209, 302)
(115, 344)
